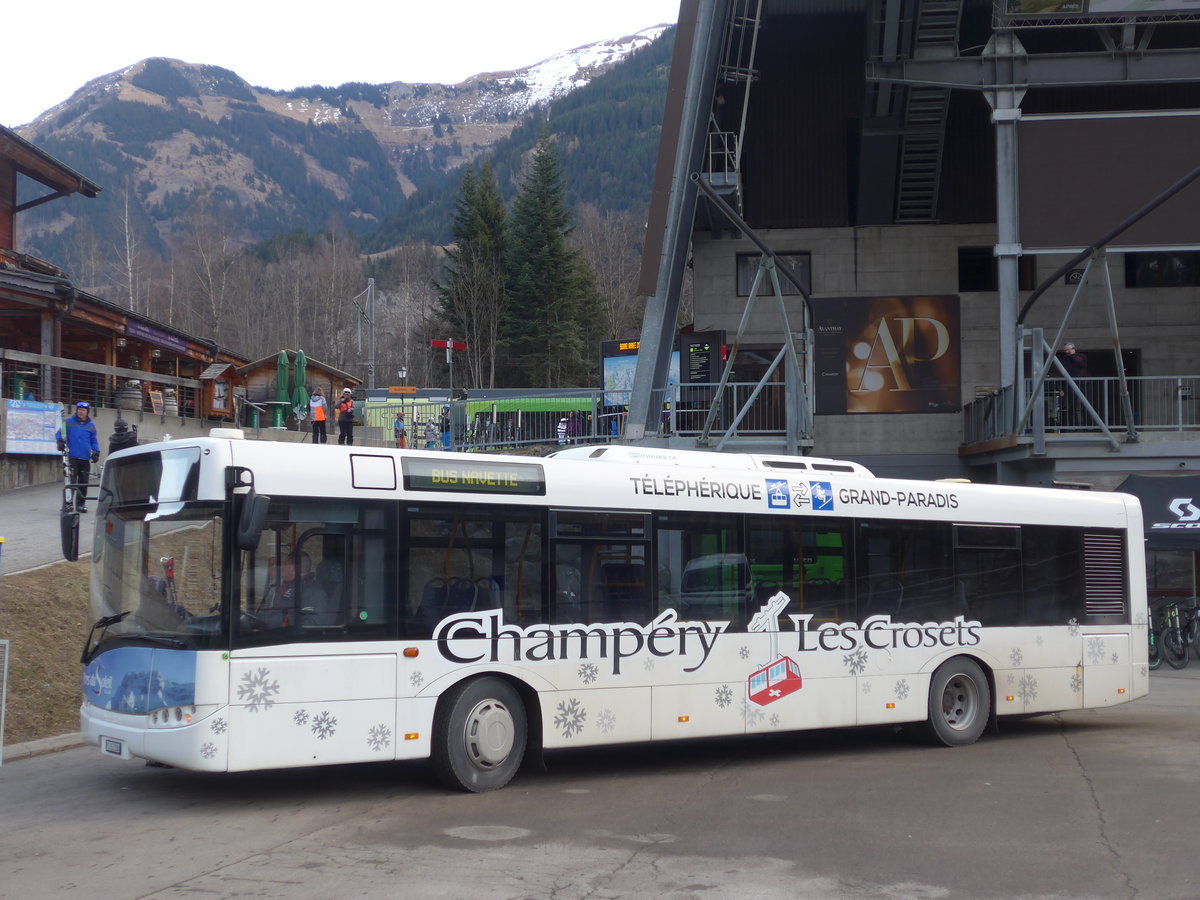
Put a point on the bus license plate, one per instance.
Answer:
(113, 747)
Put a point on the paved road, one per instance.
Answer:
(29, 525)
(1102, 804)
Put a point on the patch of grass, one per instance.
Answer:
(44, 615)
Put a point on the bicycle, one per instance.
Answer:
(1174, 637)
(1155, 655)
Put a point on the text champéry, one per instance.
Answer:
(475, 637)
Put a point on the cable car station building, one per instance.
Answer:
(897, 212)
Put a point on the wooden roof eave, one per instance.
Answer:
(42, 167)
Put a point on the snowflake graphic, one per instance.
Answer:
(1073, 627)
(1028, 688)
(1039, 640)
(752, 713)
(856, 662)
(1142, 670)
(1095, 650)
(648, 663)
(724, 696)
(323, 725)
(1139, 619)
(1115, 658)
(257, 690)
(744, 652)
(416, 679)
(300, 717)
(1011, 679)
(219, 725)
(774, 720)
(379, 737)
(1016, 656)
(570, 718)
(606, 721)
(1076, 683)
(208, 751)
(866, 687)
(902, 689)
(588, 672)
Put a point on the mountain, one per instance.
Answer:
(166, 138)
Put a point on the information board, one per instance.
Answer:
(29, 426)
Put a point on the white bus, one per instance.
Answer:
(266, 605)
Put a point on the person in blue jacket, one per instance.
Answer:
(78, 438)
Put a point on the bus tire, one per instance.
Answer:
(960, 703)
(479, 735)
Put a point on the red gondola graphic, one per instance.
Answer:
(781, 677)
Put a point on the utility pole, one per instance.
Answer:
(370, 333)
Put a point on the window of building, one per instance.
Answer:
(1178, 269)
(979, 271)
(800, 265)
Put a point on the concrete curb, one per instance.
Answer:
(43, 746)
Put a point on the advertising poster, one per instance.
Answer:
(30, 426)
(887, 355)
(618, 360)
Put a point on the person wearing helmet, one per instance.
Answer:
(445, 422)
(77, 438)
(345, 411)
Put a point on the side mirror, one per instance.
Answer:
(251, 520)
(68, 526)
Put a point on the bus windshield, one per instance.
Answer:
(157, 565)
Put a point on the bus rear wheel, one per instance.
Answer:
(960, 702)
(479, 735)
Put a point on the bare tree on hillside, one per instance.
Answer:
(128, 255)
(407, 300)
(612, 245)
(210, 248)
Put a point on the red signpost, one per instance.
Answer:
(449, 347)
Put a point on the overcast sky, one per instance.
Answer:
(286, 45)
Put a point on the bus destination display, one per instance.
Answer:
(474, 478)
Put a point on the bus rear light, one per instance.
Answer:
(685, 718)
(1120, 690)
(1010, 698)
(412, 736)
(411, 652)
(891, 706)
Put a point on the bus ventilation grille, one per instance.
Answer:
(1103, 575)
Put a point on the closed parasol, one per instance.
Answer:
(300, 394)
(282, 364)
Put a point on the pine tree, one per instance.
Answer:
(471, 297)
(549, 286)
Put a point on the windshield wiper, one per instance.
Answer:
(159, 639)
(103, 622)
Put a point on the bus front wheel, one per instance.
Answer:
(479, 735)
(960, 702)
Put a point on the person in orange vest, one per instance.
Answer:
(346, 418)
(319, 413)
(400, 431)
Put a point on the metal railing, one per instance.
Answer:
(1169, 403)
(33, 376)
(586, 417)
